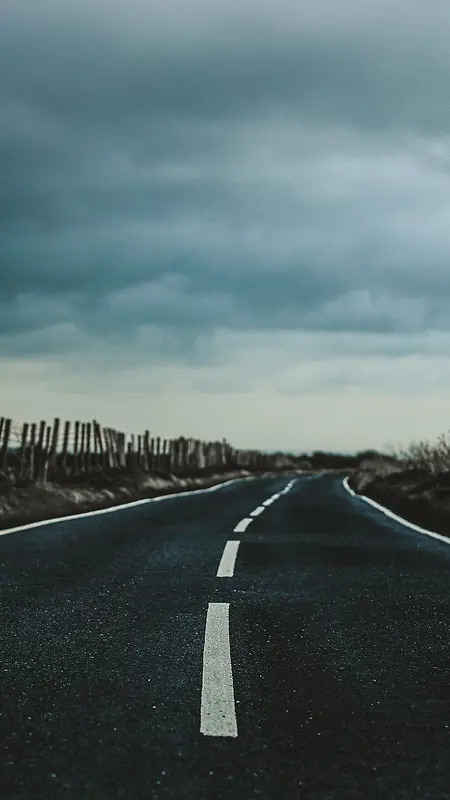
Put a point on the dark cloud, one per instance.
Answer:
(393, 72)
(189, 175)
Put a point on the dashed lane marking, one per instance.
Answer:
(228, 560)
(257, 511)
(217, 713)
(243, 525)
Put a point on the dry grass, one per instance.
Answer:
(420, 459)
(422, 455)
(412, 481)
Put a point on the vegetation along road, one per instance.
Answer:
(272, 638)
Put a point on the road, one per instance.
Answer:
(315, 665)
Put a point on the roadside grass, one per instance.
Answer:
(412, 481)
(422, 455)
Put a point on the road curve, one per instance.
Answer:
(274, 639)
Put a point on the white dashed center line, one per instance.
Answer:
(217, 713)
(228, 560)
(257, 511)
(243, 525)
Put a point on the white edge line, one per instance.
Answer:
(243, 525)
(228, 560)
(217, 710)
(391, 514)
(111, 509)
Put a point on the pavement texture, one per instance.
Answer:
(338, 623)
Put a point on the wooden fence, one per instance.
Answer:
(40, 452)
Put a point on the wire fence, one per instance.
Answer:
(41, 452)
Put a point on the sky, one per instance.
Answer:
(227, 219)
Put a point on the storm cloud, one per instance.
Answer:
(221, 189)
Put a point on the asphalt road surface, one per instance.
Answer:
(176, 650)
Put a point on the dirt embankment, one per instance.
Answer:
(23, 504)
(418, 495)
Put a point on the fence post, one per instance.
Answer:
(139, 451)
(114, 441)
(190, 453)
(115, 444)
(98, 445)
(108, 449)
(147, 451)
(76, 457)
(4, 447)
(198, 454)
(65, 445)
(83, 448)
(152, 454)
(23, 445)
(106, 445)
(204, 454)
(184, 452)
(95, 461)
(54, 444)
(40, 458)
(165, 455)
(121, 448)
(48, 434)
(124, 450)
(114, 447)
(88, 447)
(32, 451)
(172, 456)
(100, 449)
